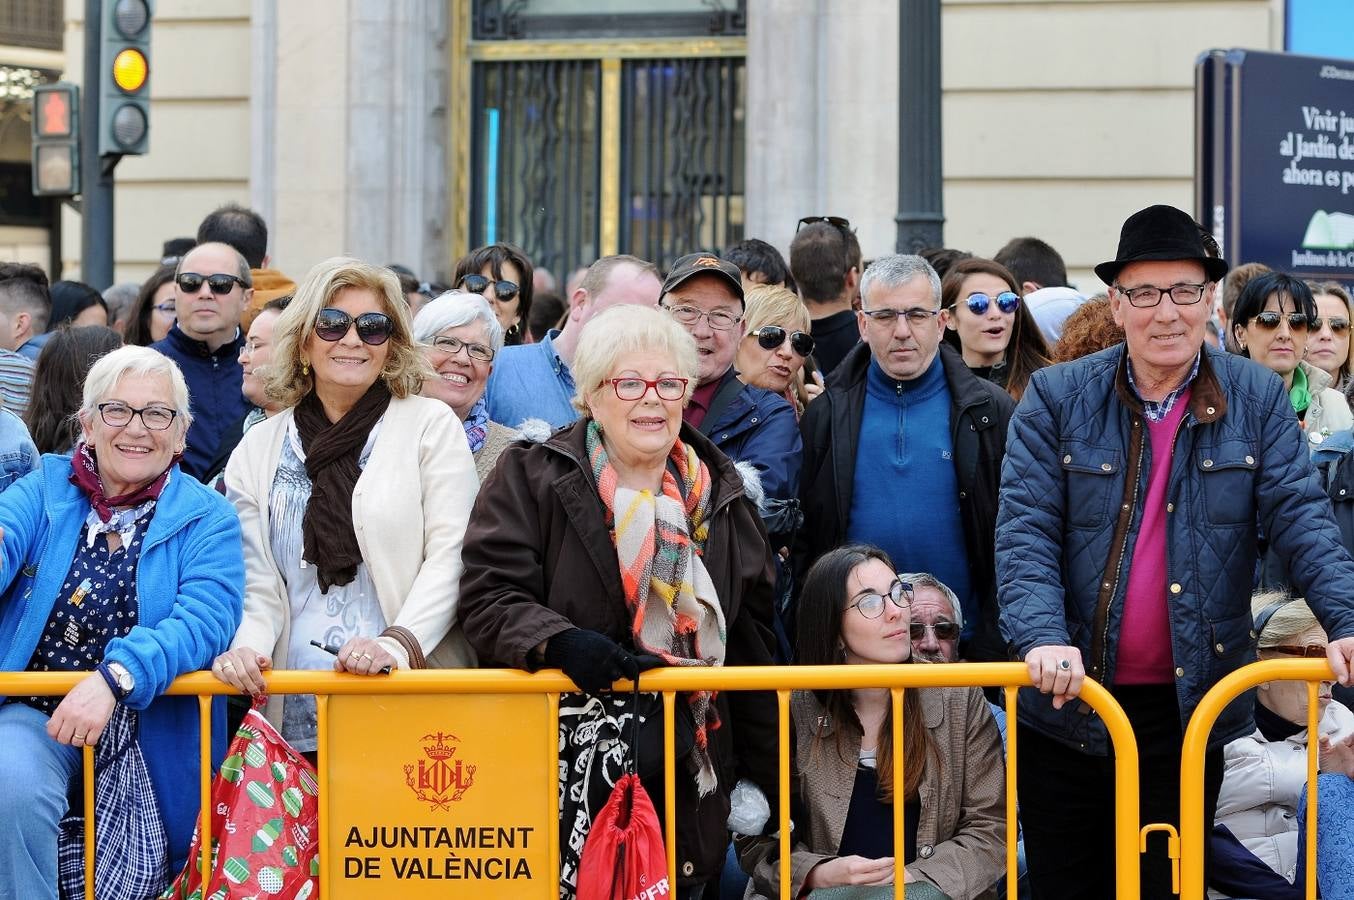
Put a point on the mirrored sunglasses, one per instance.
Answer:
(1269, 320)
(1007, 301)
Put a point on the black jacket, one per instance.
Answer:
(979, 414)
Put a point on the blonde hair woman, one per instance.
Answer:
(776, 344)
(321, 486)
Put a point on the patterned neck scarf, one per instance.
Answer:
(674, 610)
(477, 424)
(85, 476)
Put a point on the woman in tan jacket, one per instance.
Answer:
(353, 501)
(855, 610)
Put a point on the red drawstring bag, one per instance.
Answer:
(623, 857)
(265, 822)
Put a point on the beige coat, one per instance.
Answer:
(1328, 411)
(961, 836)
(496, 439)
(410, 510)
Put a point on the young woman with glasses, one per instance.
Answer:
(855, 610)
(986, 320)
(776, 345)
(1259, 842)
(501, 274)
(1271, 323)
(355, 458)
(1328, 338)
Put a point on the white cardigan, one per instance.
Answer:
(419, 482)
(1262, 783)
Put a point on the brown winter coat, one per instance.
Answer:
(539, 559)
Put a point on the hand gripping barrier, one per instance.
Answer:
(781, 680)
(1193, 830)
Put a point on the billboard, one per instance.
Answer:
(1274, 173)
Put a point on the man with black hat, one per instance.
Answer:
(749, 424)
(1134, 485)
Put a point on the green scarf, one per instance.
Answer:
(1298, 394)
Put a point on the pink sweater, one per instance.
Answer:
(1145, 635)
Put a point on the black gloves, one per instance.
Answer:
(592, 660)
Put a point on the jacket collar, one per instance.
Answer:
(193, 347)
(1207, 400)
(172, 511)
(966, 389)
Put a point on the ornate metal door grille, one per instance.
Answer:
(682, 156)
(537, 159)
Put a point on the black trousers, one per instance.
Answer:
(1067, 802)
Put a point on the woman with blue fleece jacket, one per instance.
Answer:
(115, 563)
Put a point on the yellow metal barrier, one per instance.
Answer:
(1193, 830)
(780, 679)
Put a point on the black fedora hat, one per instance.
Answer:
(1161, 233)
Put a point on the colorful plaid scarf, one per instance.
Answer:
(674, 610)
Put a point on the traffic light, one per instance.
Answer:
(124, 77)
(56, 140)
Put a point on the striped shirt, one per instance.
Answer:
(16, 382)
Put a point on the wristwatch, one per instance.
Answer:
(119, 679)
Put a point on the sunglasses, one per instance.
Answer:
(979, 303)
(1311, 651)
(1338, 325)
(1270, 320)
(837, 222)
(221, 283)
(478, 284)
(373, 328)
(944, 631)
(771, 337)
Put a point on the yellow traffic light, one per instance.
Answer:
(130, 70)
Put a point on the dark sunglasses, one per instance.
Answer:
(1270, 320)
(944, 631)
(477, 284)
(837, 222)
(978, 303)
(373, 328)
(221, 283)
(770, 337)
(1338, 324)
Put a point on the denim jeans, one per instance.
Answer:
(35, 779)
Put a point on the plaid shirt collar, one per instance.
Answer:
(1156, 410)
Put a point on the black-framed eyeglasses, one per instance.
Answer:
(671, 388)
(719, 319)
(979, 303)
(1269, 320)
(1310, 651)
(944, 631)
(116, 414)
(770, 337)
(373, 328)
(1147, 295)
(917, 315)
(478, 284)
(221, 283)
(871, 605)
(1338, 324)
(451, 346)
(842, 225)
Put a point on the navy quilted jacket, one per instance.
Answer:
(1240, 465)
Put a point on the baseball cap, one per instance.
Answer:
(694, 264)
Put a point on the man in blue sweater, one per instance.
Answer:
(212, 287)
(904, 450)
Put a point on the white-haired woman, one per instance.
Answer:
(460, 335)
(117, 564)
(1262, 804)
(556, 548)
(356, 457)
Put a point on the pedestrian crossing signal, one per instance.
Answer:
(56, 140)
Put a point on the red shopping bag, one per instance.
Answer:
(265, 822)
(623, 857)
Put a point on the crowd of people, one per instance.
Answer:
(733, 460)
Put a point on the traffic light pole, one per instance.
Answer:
(96, 172)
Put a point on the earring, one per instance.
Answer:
(305, 367)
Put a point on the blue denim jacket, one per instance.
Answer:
(18, 455)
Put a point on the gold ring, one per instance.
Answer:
(354, 655)
(227, 665)
(366, 656)
(81, 737)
